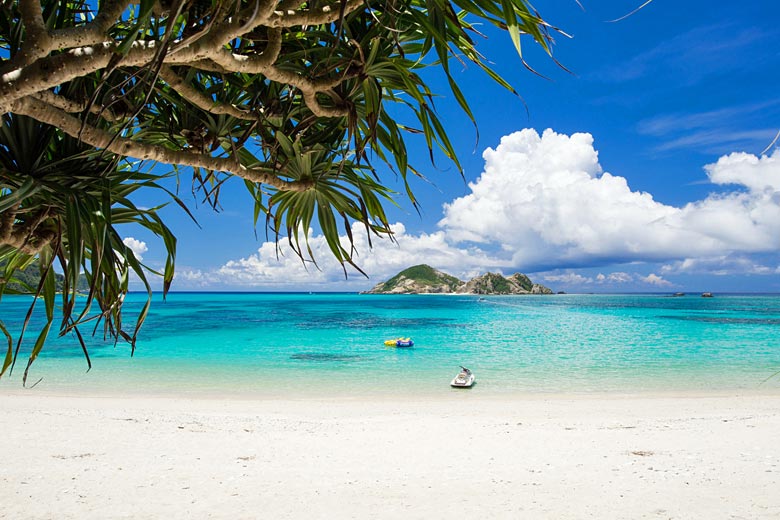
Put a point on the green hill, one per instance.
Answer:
(419, 279)
(424, 279)
(26, 280)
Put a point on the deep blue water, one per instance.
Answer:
(282, 344)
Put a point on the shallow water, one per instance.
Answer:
(332, 344)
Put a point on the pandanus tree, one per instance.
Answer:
(294, 97)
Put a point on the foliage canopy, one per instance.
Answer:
(291, 96)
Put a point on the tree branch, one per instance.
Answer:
(126, 147)
(68, 105)
(246, 21)
(322, 15)
(201, 100)
(255, 64)
(289, 5)
(51, 71)
(37, 42)
(91, 33)
(26, 236)
(320, 111)
(7, 219)
(309, 87)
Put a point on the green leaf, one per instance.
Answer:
(512, 26)
(36, 350)
(27, 189)
(9, 349)
(142, 22)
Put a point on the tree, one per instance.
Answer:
(291, 96)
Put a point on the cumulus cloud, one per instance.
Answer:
(138, 247)
(617, 277)
(758, 174)
(197, 278)
(568, 278)
(654, 279)
(545, 199)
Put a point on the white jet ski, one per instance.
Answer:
(465, 379)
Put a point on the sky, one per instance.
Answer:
(649, 166)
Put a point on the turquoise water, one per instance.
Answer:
(332, 344)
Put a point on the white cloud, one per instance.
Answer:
(574, 279)
(189, 278)
(618, 277)
(138, 247)
(545, 200)
(654, 279)
(568, 278)
(758, 174)
(191, 274)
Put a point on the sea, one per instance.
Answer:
(332, 344)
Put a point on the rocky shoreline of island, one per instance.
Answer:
(424, 279)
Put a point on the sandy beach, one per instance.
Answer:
(557, 457)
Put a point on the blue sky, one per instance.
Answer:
(642, 170)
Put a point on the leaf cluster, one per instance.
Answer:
(79, 197)
(311, 103)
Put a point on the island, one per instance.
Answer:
(25, 281)
(424, 279)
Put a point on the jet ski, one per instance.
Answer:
(465, 379)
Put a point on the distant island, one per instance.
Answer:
(424, 279)
(26, 280)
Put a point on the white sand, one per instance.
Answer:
(463, 456)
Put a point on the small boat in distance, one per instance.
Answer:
(465, 379)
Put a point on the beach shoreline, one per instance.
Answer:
(686, 455)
